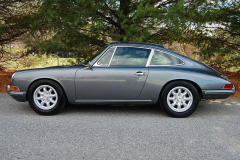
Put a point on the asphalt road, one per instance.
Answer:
(120, 132)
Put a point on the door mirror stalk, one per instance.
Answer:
(89, 66)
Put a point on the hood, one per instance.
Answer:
(66, 67)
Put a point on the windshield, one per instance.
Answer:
(94, 56)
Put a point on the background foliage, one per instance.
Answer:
(83, 26)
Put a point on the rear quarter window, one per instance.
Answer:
(161, 58)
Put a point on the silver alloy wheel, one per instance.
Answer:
(45, 97)
(179, 99)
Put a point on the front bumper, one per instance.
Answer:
(218, 94)
(17, 95)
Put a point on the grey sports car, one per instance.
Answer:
(123, 73)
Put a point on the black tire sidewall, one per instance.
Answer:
(168, 110)
(61, 97)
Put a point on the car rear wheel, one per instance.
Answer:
(179, 99)
(46, 97)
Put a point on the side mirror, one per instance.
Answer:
(89, 66)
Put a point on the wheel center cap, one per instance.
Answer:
(179, 99)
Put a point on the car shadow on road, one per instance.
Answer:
(109, 109)
(226, 107)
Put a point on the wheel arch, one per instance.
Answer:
(45, 79)
(193, 83)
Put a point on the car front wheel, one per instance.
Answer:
(46, 97)
(179, 99)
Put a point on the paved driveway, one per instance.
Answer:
(120, 132)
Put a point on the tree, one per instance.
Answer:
(16, 18)
(85, 25)
(80, 23)
(216, 28)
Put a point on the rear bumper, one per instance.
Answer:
(17, 95)
(217, 94)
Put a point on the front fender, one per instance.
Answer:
(65, 78)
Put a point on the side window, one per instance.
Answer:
(160, 58)
(107, 57)
(130, 56)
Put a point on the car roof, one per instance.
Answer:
(137, 44)
(147, 45)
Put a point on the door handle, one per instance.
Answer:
(140, 73)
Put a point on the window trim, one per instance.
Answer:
(149, 65)
(150, 57)
(96, 63)
(112, 56)
(116, 46)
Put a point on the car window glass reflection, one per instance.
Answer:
(160, 58)
(129, 56)
(106, 59)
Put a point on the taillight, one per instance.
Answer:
(228, 86)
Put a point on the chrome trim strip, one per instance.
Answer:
(217, 91)
(132, 46)
(150, 57)
(8, 88)
(164, 65)
(13, 76)
(94, 101)
(16, 93)
(112, 56)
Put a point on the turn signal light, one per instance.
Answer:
(228, 86)
(14, 88)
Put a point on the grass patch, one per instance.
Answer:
(29, 61)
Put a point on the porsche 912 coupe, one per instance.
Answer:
(123, 73)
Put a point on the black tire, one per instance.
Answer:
(54, 99)
(179, 103)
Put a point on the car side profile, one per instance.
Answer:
(123, 73)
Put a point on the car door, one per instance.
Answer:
(120, 74)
